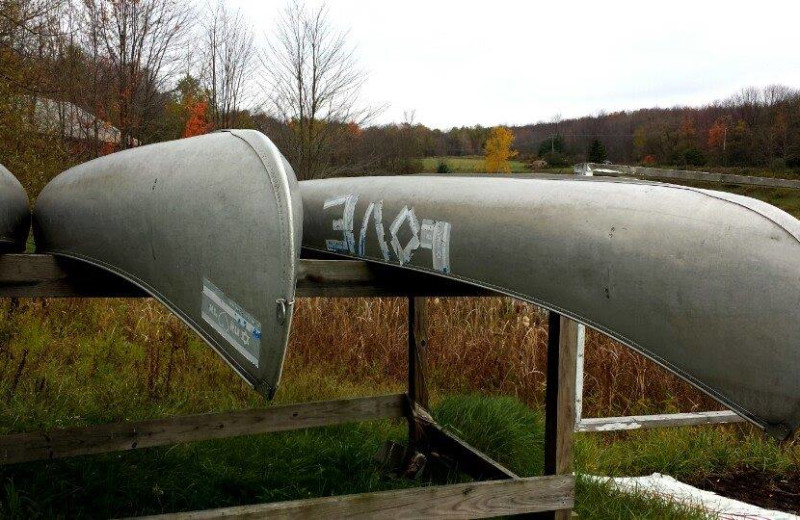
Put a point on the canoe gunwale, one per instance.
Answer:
(282, 190)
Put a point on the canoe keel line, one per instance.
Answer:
(705, 283)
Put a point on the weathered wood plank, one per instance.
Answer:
(562, 352)
(28, 268)
(354, 278)
(467, 458)
(456, 501)
(417, 368)
(551, 394)
(105, 438)
(45, 276)
(683, 175)
(567, 366)
(418, 351)
(579, 366)
(636, 422)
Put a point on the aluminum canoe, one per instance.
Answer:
(15, 215)
(705, 283)
(210, 226)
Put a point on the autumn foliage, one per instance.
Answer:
(498, 150)
(717, 134)
(197, 123)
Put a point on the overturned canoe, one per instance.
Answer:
(15, 216)
(210, 226)
(705, 283)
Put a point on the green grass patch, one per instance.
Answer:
(687, 453)
(598, 501)
(469, 164)
(507, 430)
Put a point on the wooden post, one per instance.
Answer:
(417, 368)
(562, 351)
(580, 353)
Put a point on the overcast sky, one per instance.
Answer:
(463, 62)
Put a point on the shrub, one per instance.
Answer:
(443, 167)
(597, 152)
(694, 157)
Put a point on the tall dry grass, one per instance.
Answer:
(492, 345)
(75, 361)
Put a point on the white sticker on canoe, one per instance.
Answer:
(432, 234)
(232, 322)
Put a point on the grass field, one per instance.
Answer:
(469, 164)
(77, 362)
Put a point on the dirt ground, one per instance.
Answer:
(771, 491)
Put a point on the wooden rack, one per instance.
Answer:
(496, 491)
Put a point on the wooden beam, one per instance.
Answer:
(105, 438)
(46, 276)
(567, 365)
(636, 422)
(417, 369)
(418, 351)
(356, 278)
(456, 501)
(551, 394)
(562, 351)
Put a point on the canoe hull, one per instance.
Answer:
(209, 225)
(705, 283)
(15, 215)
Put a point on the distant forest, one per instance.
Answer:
(755, 127)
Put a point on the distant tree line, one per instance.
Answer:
(754, 127)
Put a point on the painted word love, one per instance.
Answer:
(433, 235)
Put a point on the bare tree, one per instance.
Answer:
(30, 32)
(229, 59)
(313, 83)
(138, 39)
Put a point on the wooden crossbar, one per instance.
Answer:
(105, 438)
(46, 276)
(456, 501)
(637, 422)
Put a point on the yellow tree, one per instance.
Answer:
(498, 150)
